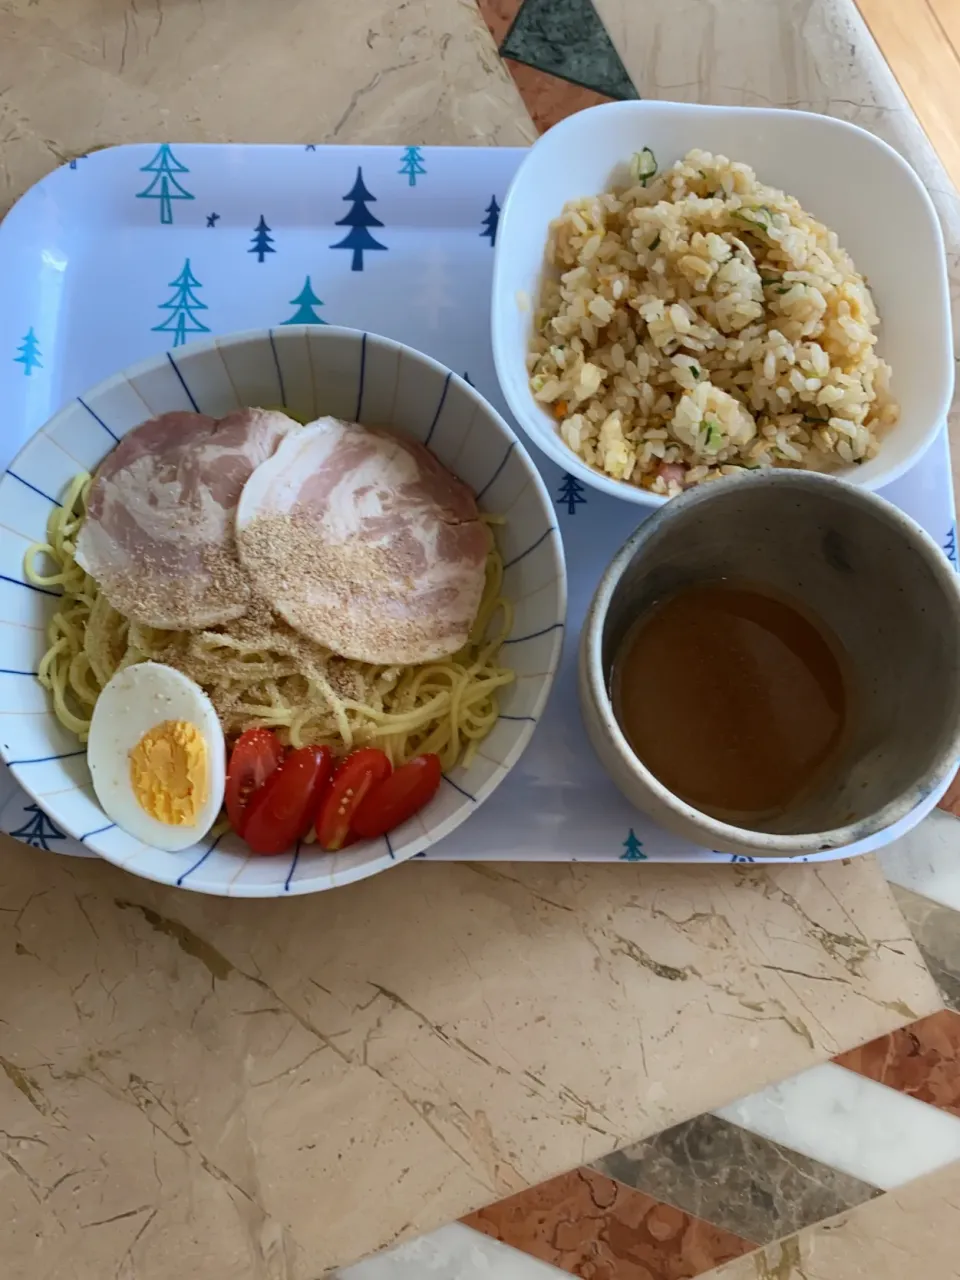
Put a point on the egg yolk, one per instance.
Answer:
(169, 774)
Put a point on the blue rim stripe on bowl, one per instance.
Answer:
(28, 485)
(363, 370)
(189, 394)
(65, 755)
(436, 416)
(296, 855)
(534, 634)
(98, 831)
(506, 456)
(276, 361)
(30, 586)
(543, 537)
(456, 787)
(201, 860)
(96, 417)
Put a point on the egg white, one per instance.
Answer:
(131, 704)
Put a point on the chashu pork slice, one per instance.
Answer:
(160, 531)
(364, 543)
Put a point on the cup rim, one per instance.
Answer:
(769, 844)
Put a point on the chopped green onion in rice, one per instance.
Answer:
(643, 166)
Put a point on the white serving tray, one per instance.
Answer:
(93, 261)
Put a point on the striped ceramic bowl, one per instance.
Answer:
(310, 371)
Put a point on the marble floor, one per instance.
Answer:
(844, 1169)
(836, 1172)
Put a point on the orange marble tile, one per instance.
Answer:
(599, 1229)
(499, 16)
(548, 98)
(922, 1059)
(951, 798)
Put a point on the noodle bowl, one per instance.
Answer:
(309, 370)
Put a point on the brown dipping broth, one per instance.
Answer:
(733, 697)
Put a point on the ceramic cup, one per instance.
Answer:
(871, 575)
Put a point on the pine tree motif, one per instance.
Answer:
(412, 164)
(164, 186)
(491, 221)
(182, 306)
(305, 301)
(949, 545)
(571, 493)
(262, 240)
(28, 353)
(38, 830)
(359, 219)
(634, 849)
(740, 857)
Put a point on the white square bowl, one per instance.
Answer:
(850, 180)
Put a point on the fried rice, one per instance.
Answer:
(698, 322)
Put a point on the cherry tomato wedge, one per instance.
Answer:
(254, 758)
(398, 797)
(281, 812)
(351, 782)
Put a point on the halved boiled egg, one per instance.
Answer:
(157, 756)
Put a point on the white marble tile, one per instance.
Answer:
(850, 1123)
(455, 1252)
(927, 860)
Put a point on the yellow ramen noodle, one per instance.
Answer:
(258, 671)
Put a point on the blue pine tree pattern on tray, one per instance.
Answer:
(37, 830)
(212, 219)
(491, 221)
(73, 162)
(740, 857)
(412, 165)
(164, 185)
(182, 306)
(28, 353)
(571, 494)
(359, 220)
(305, 301)
(633, 849)
(949, 545)
(262, 240)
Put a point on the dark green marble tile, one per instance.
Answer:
(567, 38)
(735, 1180)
